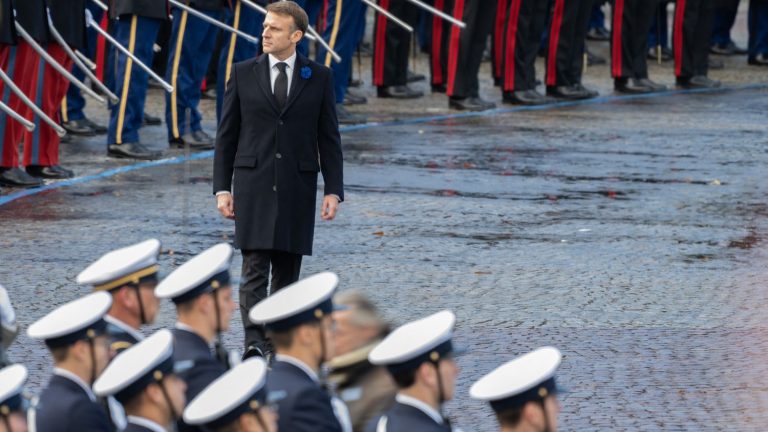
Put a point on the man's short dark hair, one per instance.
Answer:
(292, 9)
(510, 417)
(404, 379)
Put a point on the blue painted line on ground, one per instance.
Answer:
(419, 120)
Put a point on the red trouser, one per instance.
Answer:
(20, 63)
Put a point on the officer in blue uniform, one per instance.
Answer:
(192, 43)
(522, 392)
(298, 321)
(12, 404)
(136, 27)
(74, 333)
(73, 118)
(236, 49)
(129, 274)
(144, 378)
(235, 402)
(419, 356)
(758, 33)
(201, 291)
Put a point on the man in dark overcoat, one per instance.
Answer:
(278, 129)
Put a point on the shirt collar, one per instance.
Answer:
(421, 406)
(123, 326)
(147, 423)
(299, 364)
(290, 61)
(77, 380)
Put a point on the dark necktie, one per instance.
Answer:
(281, 86)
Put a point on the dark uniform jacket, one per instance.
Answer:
(33, 18)
(64, 406)
(401, 418)
(303, 406)
(188, 346)
(7, 29)
(367, 390)
(68, 17)
(132, 427)
(275, 156)
(206, 5)
(159, 9)
(120, 336)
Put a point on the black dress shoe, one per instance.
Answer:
(97, 128)
(439, 88)
(49, 172)
(66, 139)
(345, 117)
(758, 60)
(354, 99)
(652, 84)
(78, 127)
(727, 49)
(398, 92)
(598, 34)
(197, 140)
(468, 104)
(355, 82)
(150, 120)
(526, 97)
(572, 92)
(630, 86)
(477, 100)
(134, 150)
(697, 82)
(414, 77)
(17, 177)
(594, 59)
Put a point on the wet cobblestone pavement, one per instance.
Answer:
(629, 233)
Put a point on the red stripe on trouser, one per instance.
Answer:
(498, 37)
(554, 40)
(25, 77)
(101, 49)
(323, 19)
(618, 20)
(678, 36)
(437, 46)
(453, 47)
(509, 55)
(54, 89)
(381, 44)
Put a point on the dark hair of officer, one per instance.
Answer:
(510, 417)
(300, 19)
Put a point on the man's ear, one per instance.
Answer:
(296, 36)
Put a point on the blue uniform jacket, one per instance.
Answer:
(65, 407)
(305, 406)
(401, 418)
(188, 346)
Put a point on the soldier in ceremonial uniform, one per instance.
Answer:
(298, 321)
(690, 43)
(419, 356)
(522, 392)
(758, 33)
(192, 43)
(632, 20)
(136, 25)
(75, 335)
(201, 291)
(391, 46)
(129, 274)
(236, 402)
(565, 53)
(12, 403)
(523, 23)
(144, 378)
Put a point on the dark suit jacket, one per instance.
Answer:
(33, 18)
(68, 17)
(275, 156)
(7, 29)
(305, 406)
(188, 346)
(65, 407)
(159, 9)
(403, 418)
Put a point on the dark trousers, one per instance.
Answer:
(438, 51)
(525, 20)
(659, 33)
(346, 20)
(285, 269)
(466, 47)
(690, 38)
(73, 104)
(392, 44)
(567, 36)
(632, 20)
(758, 28)
(725, 17)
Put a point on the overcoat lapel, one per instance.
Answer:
(297, 82)
(261, 69)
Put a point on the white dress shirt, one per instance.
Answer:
(274, 71)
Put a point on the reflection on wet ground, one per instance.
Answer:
(629, 234)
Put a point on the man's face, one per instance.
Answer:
(176, 388)
(149, 302)
(553, 411)
(448, 372)
(280, 35)
(101, 353)
(226, 306)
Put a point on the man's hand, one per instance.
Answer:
(329, 208)
(226, 205)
